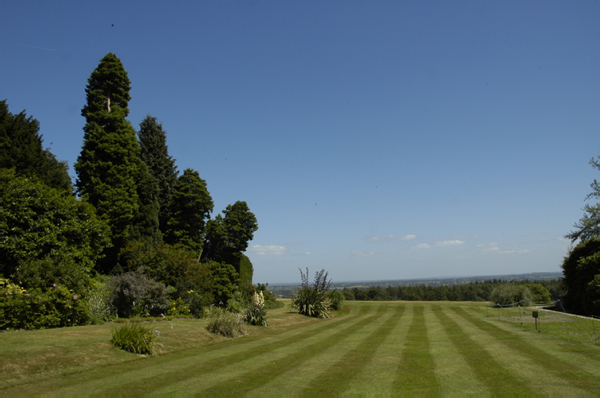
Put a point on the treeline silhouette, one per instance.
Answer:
(477, 291)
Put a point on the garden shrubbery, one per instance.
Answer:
(226, 323)
(134, 294)
(134, 337)
(313, 300)
(39, 309)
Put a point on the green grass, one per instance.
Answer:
(367, 348)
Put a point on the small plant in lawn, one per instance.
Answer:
(134, 337)
(312, 300)
(227, 324)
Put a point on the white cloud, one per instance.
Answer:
(449, 243)
(423, 246)
(268, 250)
(445, 243)
(390, 238)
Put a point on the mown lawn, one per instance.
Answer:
(368, 348)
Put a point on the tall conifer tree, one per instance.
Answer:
(109, 165)
(191, 206)
(155, 154)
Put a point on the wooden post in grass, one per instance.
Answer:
(535, 315)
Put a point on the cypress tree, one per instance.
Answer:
(109, 165)
(155, 154)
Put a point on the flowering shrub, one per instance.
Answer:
(134, 337)
(225, 323)
(178, 307)
(36, 309)
(255, 313)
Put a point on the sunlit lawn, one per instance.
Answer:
(368, 348)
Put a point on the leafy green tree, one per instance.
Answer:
(48, 236)
(230, 234)
(540, 294)
(588, 226)
(581, 270)
(109, 165)
(21, 148)
(155, 154)
(191, 205)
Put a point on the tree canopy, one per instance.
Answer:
(47, 234)
(21, 148)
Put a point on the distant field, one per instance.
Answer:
(368, 348)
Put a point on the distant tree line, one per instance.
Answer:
(478, 291)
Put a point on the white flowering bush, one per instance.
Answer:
(256, 313)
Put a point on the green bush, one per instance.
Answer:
(312, 300)
(134, 337)
(134, 294)
(508, 293)
(540, 295)
(179, 307)
(48, 236)
(227, 324)
(38, 309)
(99, 308)
(336, 298)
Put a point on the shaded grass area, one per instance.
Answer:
(368, 348)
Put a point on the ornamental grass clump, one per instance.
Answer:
(227, 324)
(134, 337)
(312, 300)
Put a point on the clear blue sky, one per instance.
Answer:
(375, 139)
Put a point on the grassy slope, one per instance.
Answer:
(369, 347)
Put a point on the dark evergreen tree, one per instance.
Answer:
(191, 205)
(109, 165)
(146, 224)
(21, 148)
(230, 234)
(155, 154)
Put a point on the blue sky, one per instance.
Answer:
(377, 140)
